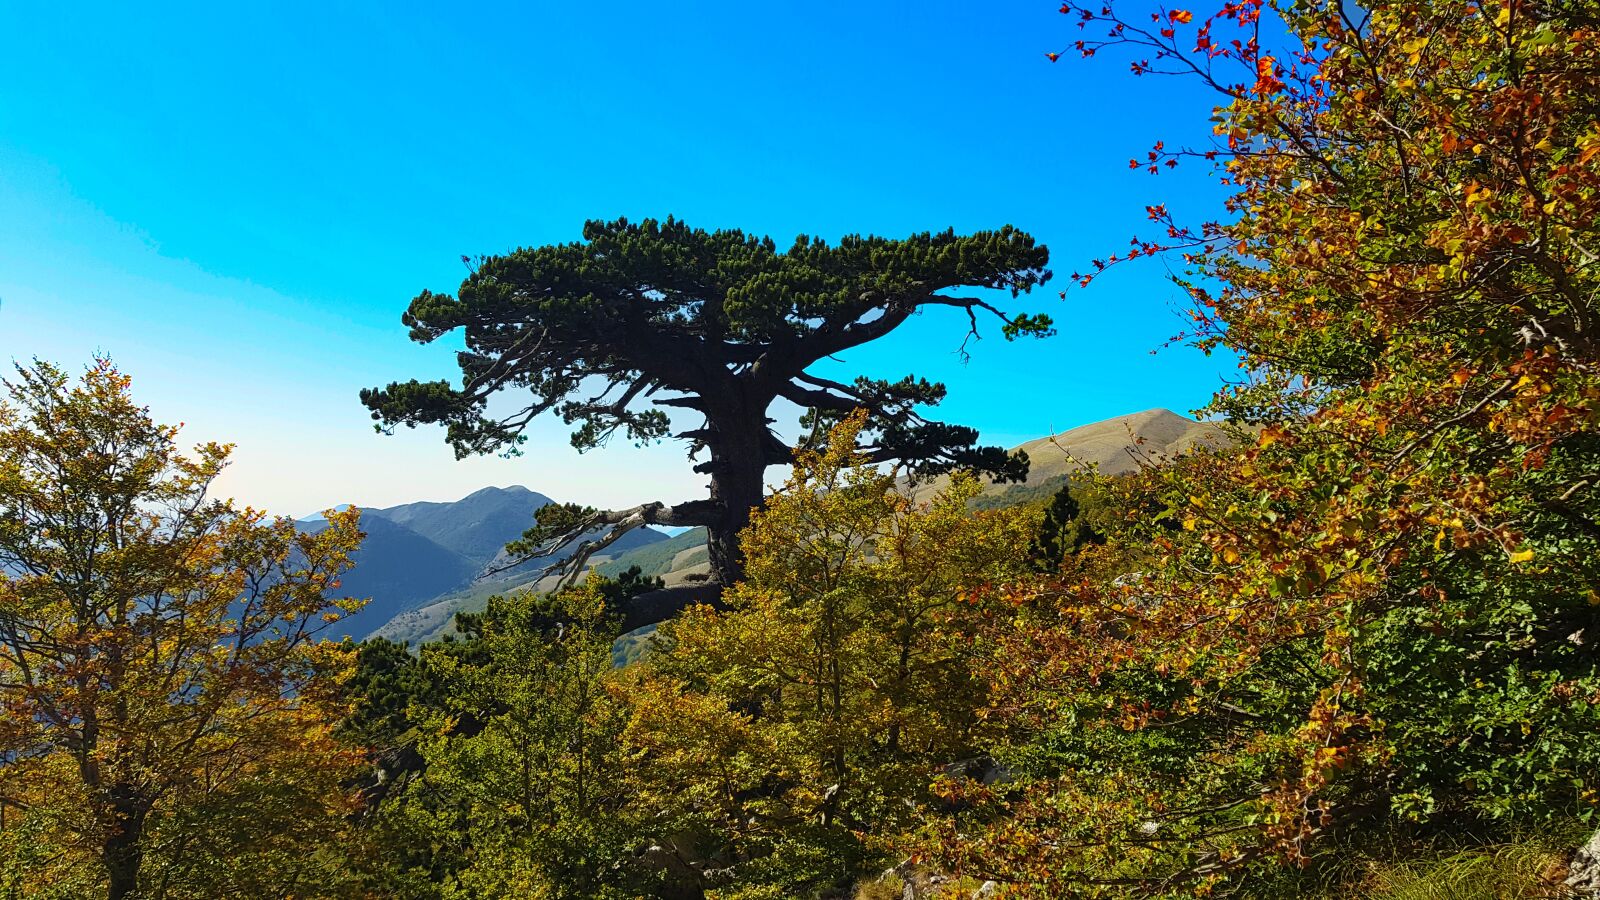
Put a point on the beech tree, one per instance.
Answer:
(166, 707)
(1376, 621)
(609, 332)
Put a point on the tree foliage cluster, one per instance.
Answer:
(778, 745)
(167, 713)
(1378, 618)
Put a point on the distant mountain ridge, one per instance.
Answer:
(416, 552)
(477, 526)
(1114, 446)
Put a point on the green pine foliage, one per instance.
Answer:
(1065, 530)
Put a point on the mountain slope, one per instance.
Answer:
(477, 526)
(396, 568)
(1119, 446)
(653, 552)
(658, 558)
(1116, 446)
(417, 553)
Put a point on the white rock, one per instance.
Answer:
(1583, 873)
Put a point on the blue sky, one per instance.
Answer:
(237, 201)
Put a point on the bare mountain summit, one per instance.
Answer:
(1119, 446)
(1116, 446)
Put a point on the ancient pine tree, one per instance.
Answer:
(639, 317)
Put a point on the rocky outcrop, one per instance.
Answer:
(1583, 872)
(909, 881)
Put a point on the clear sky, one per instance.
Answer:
(236, 201)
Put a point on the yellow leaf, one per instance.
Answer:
(1522, 556)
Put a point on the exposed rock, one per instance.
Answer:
(1583, 872)
(910, 881)
(981, 769)
(917, 883)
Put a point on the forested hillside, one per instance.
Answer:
(420, 555)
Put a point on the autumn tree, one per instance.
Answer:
(1376, 618)
(792, 736)
(638, 318)
(165, 705)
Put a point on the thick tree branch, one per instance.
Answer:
(579, 535)
(829, 340)
(653, 607)
(814, 399)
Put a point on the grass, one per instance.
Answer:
(1510, 872)
(1530, 868)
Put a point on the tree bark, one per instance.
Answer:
(654, 607)
(736, 434)
(122, 851)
